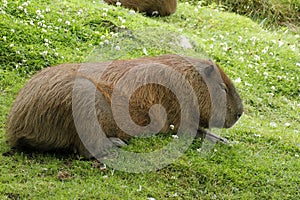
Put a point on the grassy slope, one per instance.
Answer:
(262, 162)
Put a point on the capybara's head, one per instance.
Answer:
(234, 103)
(150, 7)
(220, 104)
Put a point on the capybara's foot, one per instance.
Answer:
(202, 133)
(117, 141)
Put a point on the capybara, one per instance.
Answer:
(150, 7)
(60, 102)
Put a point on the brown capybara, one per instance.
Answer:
(150, 7)
(62, 106)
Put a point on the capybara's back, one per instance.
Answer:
(150, 7)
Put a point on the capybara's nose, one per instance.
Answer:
(238, 115)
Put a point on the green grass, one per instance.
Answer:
(269, 12)
(261, 163)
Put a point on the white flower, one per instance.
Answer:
(44, 53)
(11, 45)
(238, 80)
(145, 51)
(280, 43)
(104, 14)
(38, 12)
(56, 54)
(131, 12)
(59, 20)
(273, 87)
(248, 84)
(118, 3)
(103, 167)
(80, 11)
(287, 124)
(4, 38)
(68, 23)
(242, 59)
(12, 30)
(298, 64)
(118, 48)
(25, 4)
(273, 124)
(240, 39)
(175, 136)
(47, 10)
(293, 47)
(265, 50)
(257, 135)
(256, 57)
(172, 127)
(20, 8)
(105, 9)
(175, 194)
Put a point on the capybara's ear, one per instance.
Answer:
(209, 69)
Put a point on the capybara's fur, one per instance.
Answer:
(42, 118)
(150, 7)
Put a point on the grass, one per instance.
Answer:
(269, 12)
(261, 163)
